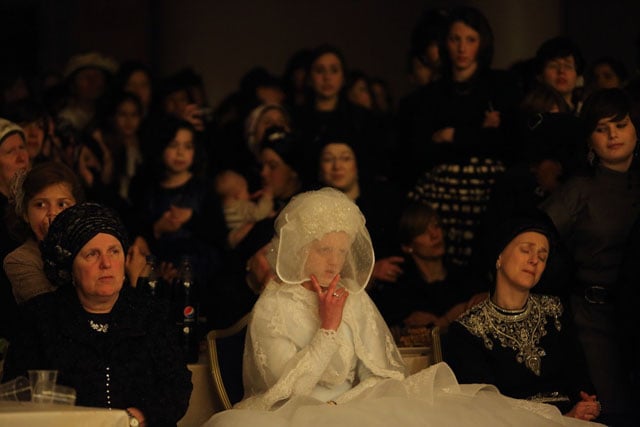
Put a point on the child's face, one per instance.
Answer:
(239, 187)
(242, 189)
(127, 118)
(233, 186)
(178, 155)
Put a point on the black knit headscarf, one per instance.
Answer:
(70, 231)
(536, 221)
(285, 144)
(509, 229)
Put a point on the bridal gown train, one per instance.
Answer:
(292, 369)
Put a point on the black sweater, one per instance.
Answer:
(137, 363)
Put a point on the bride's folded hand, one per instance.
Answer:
(331, 302)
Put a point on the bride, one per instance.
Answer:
(318, 352)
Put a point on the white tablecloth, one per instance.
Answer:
(27, 414)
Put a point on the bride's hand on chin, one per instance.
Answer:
(331, 302)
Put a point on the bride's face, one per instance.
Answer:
(327, 256)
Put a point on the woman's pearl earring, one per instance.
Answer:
(498, 264)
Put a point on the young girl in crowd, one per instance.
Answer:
(123, 117)
(178, 213)
(39, 196)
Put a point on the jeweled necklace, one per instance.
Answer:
(99, 327)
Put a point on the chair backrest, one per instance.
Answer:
(419, 347)
(226, 345)
(4, 348)
(436, 346)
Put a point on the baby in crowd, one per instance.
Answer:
(240, 207)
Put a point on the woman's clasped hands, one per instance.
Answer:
(587, 409)
(331, 302)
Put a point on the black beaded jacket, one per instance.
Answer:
(534, 354)
(137, 363)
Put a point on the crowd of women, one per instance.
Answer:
(471, 186)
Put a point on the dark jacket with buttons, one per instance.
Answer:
(137, 363)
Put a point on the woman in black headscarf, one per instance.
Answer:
(521, 342)
(116, 349)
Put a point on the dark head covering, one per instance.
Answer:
(536, 221)
(284, 144)
(70, 231)
(343, 135)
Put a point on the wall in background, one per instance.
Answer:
(223, 39)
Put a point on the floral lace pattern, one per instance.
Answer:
(520, 331)
(283, 360)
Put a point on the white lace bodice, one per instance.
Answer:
(287, 354)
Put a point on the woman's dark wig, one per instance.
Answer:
(605, 103)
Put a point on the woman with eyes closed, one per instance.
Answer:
(318, 353)
(594, 212)
(40, 195)
(523, 343)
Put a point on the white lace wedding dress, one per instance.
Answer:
(292, 368)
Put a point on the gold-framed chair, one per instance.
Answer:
(4, 348)
(420, 347)
(436, 346)
(213, 338)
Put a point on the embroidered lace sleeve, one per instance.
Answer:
(276, 364)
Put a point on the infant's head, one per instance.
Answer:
(231, 185)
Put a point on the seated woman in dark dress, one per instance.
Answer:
(429, 291)
(117, 349)
(521, 342)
